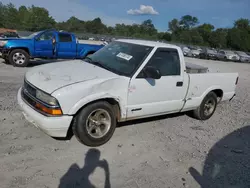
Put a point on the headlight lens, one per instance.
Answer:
(46, 98)
(2, 43)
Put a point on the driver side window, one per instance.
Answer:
(46, 36)
(166, 60)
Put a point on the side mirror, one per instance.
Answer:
(151, 72)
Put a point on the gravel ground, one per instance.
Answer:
(169, 151)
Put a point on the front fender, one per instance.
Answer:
(26, 45)
(94, 97)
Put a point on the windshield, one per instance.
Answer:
(211, 51)
(120, 57)
(31, 36)
(241, 53)
(230, 53)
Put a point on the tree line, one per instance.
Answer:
(185, 30)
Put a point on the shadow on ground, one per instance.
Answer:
(128, 123)
(227, 163)
(145, 120)
(77, 177)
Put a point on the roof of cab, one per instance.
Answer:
(148, 43)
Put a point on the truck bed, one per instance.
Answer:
(193, 68)
(90, 42)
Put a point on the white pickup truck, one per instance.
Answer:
(125, 80)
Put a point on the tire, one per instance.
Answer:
(200, 113)
(81, 128)
(19, 58)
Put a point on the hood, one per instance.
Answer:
(245, 56)
(15, 39)
(212, 52)
(50, 77)
(195, 51)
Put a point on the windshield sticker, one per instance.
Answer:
(124, 56)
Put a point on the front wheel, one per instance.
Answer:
(19, 58)
(207, 107)
(95, 124)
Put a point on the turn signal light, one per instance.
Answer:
(50, 111)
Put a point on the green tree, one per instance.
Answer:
(205, 31)
(39, 19)
(188, 21)
(239, 37)
(24, 15)
(164, 36)
(242, 23)
(11, 17)
(2, 14)
(174, 26)
(148, 28)
(218, 38)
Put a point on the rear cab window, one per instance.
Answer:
(64, 37)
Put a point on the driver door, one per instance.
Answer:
(43, 45)
(148, 97)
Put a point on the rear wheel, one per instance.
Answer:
(95, 124)
(19, 58)
(207, 107)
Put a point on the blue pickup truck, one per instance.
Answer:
(46, 44)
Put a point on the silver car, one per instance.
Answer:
(244, 58)
(195, 52)
(227, 55)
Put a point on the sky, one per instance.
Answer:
(220, 13)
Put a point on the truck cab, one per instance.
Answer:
(45, 44)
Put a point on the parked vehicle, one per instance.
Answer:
(207, 53)
(194, 51)
(186, 51)
(9, 35)
(90, 96)
(46, 44)
(244, 58)
(227, 55)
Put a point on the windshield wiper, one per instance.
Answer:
(98, 63)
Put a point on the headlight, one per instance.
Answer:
(2, 43)
(46, 98)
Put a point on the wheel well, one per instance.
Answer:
(22, 48)
(115, 105)
(111, 101)
(90, 52)
(218, 93)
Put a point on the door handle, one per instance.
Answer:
(179, 84)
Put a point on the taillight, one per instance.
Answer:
(237, 79)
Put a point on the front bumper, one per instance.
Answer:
(53, 126)
(245, 60)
